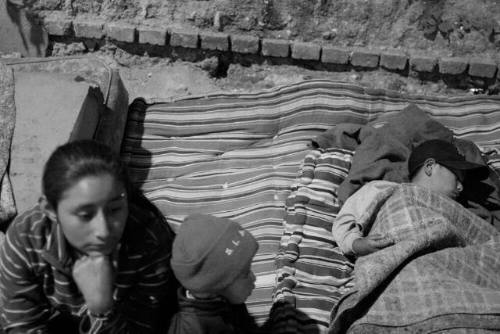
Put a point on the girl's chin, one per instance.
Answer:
(97, 254)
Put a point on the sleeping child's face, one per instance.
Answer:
(241, 288)
(445, 182)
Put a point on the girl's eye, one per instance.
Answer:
(85, 216)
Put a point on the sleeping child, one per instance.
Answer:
(435, 165)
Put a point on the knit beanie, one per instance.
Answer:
(209, 253)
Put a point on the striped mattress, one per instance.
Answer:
(247, 157)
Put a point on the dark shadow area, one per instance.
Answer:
(487, 86)
(456, 81)
(364, 69)
(477, 85)
(432, 76)
(404, 72)
(285, 318)
(138, 158)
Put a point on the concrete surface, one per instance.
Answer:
(48, 110)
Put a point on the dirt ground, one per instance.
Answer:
(160, 77)
(163, 78)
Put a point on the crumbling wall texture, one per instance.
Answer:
(453, 27)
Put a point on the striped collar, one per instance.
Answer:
(57, 251)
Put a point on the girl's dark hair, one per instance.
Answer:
(77, 159)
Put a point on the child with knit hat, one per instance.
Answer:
(211, 258)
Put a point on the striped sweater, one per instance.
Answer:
(36, 281)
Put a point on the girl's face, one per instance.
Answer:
(93, 213)
(241, 288)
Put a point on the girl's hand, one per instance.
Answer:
(370, 244)
(94, 276)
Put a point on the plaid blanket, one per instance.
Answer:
(442, 273)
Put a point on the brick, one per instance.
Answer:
(245, 44)
(89, 29)
(120, 32)
(154, 36)
(306, 51)
(453, 66)
(275, 47)
(58, 26)
(186, 39)
(393, 60)
(365, 58)
(423, 64)
(482, 68)
(214, 41)
(335, 55)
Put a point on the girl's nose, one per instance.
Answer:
(101, 229)
(460, 186)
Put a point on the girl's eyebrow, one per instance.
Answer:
(87, 206)
(84, 207)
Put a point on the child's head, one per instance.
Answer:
(212, 256)
(437, 165)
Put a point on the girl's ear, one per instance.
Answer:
(47, 208)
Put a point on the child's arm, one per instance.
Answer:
(150, 300)
(142, 311)
(345, 230)
(348, 227)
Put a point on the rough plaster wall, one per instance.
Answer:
(456, 27)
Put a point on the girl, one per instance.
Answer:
(93, 254)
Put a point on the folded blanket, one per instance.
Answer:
(382, 153)
(442, 273)
(7, 122)
(312, 272)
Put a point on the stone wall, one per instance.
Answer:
(439, 27)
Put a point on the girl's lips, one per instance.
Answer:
(99, 248)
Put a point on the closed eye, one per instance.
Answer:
(85, 216)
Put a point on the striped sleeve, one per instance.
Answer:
(25, 309)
